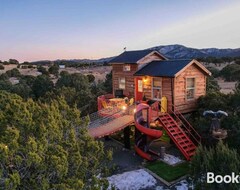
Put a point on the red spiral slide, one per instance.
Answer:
(144, 135)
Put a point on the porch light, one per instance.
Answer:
(145, 79)
(134, 110)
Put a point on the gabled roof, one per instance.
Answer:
(168, 68)
(132, 56)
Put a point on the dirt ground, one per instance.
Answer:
(218, 66)
(99, 72)
(226, 87)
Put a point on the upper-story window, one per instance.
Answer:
(126, 68)
(190, 88)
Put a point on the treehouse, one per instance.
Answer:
(151, 92)
(148, 75)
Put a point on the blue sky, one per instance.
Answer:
(72, 29)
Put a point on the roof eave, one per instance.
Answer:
(198, 64)
(154, 51)
(154, 75)
(120, 63)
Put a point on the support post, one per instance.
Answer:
(126, 132)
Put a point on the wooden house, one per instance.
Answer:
(148, 74)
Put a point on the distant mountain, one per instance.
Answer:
(170, 51)
(74, 61)
(182, 52)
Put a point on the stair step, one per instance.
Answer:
(189, 150)
(180, 139)
(166, 120)
(177, 134)
(187, 144)
(171, 125)
(184, 141)
(165, 117)
(173, 130)
(191, 154)
(181, 136)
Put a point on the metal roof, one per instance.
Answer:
(131, 56)
(166, 68)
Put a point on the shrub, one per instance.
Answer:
(1, 67)
(220, 160)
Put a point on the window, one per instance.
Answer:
(157, 88)
(126, 68)
(122, 83)
(190, 88)
(140, 86)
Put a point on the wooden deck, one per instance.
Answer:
(111, 127)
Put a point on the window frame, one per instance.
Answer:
(126, 66)
(121, 83)
(156, 88)
(191, 88)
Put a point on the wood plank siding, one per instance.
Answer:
(118, 72)
(166, 89)
(148, 59)
(179, 93)
(174, 87)
(180, 98)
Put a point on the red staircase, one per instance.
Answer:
(181, 132)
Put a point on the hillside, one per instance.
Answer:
(182, 52)
(170, 51)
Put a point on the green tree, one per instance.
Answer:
(1, 67)
(212, 85)
(28, 79)
(4, 76)
(76, 80)
(13, 61)
(23, 90)
(54, 69)
(5, 63)
(220, 160)
(91, 78)
(215, 72)
(41, 85)
(13, 73)
(43, 70)
(231, 72)
(237, 61)
(47, 147)
(108, 83)
(6, 85)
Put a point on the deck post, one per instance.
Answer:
(126, 132)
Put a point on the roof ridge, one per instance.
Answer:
(175, 60)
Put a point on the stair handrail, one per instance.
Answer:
(182, 124)
(196, 137)
(177, 135)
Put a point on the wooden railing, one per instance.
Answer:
(190, 131)
(185, 125)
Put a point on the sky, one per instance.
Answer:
(33, 30)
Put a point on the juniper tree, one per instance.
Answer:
(220, 160)
(43, 147)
